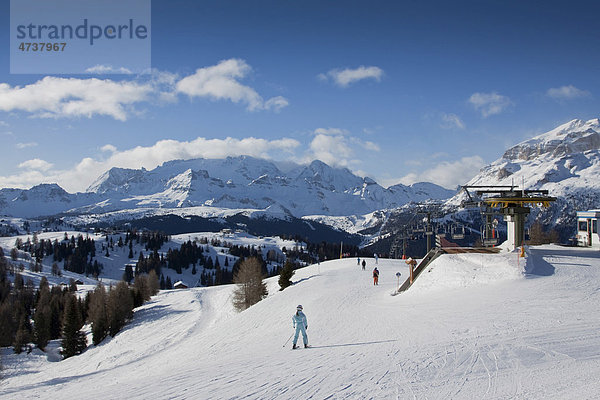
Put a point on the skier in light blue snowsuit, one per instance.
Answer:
(300, 324)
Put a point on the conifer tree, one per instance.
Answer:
(55, 270)
(98, 315)
(120, 307)
(44, 285)
(128, 274)
(56, 312)
(137, 297)
(218, 276)
(7, 324)
(142, 290)
(73, 339)
(286, 275)
(41, 318)
(21, 337)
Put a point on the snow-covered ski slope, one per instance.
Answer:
(472, 327)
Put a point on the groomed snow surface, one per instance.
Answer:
(472, 327)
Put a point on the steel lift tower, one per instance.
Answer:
(512, 203)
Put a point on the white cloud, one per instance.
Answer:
(337, 147)
(489, 103)
(346, 77)
(569, 92)
(331, 131)
(448, 174)
(451, 121)
(276, 103)
(371, 146)
(107, 69)
(108, 148)
(372, 130)
(54, 97)
(2, 123)
(36, 164)
(221, 82)
(26, 179)
(25, 145)
(332, 150)
(81, 175)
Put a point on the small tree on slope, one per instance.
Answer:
(98, 314)
(250, 286)
(286, 275)
(42, 318)
(73, 339)
(120, 307)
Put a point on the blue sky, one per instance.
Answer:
(398, 91)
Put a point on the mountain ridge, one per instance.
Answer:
(234, 182)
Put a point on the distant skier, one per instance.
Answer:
(364, 264)
(375, 276)
(376, 258)
(358, 261)
(301, 325)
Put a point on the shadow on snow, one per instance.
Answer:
(354, 344)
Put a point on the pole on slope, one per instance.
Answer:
(286, 342)
(341, 247)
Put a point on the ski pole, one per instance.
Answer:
(286, 342)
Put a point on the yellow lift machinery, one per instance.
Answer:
(512, 203)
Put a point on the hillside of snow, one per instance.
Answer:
(234, 182)
(471, 327)
(118, 257)
(351, 223)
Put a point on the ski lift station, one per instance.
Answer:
(514, 204)
(587, 228)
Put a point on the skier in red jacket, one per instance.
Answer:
(375, 276)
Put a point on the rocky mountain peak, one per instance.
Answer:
(116, 179)
(575, 136)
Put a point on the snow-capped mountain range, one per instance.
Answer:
(235, 182)
(565, 161)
